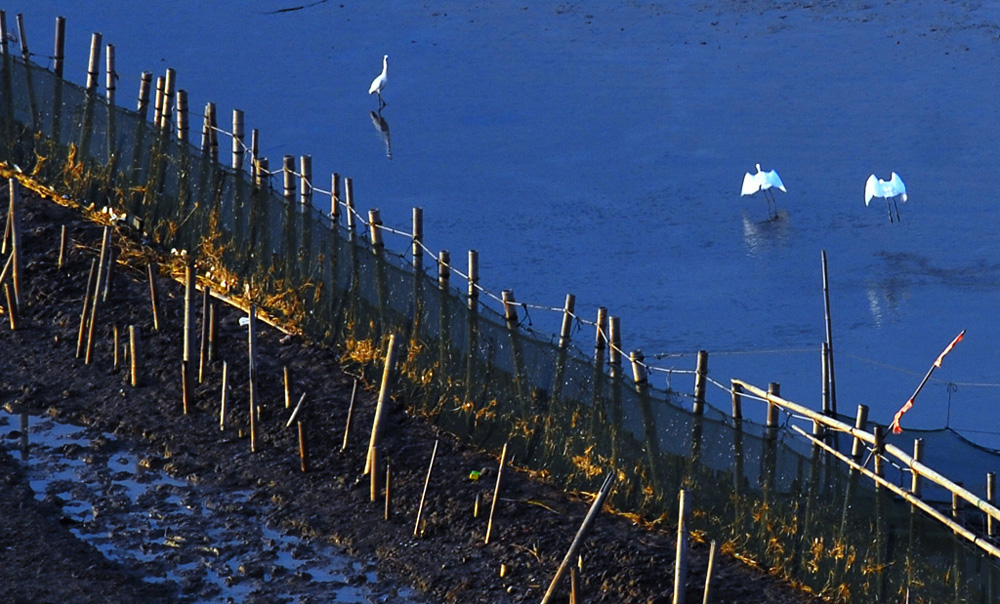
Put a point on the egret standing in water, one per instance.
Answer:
(762, 181)
(891, 189)
(379, 82)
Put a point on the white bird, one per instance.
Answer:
(762, 181)
(378, 84)
(891, 189)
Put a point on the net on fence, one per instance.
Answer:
(570, 416)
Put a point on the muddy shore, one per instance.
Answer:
(448, 561)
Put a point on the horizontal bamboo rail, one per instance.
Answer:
(977, 540)
(914, 466)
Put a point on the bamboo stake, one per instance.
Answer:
(418, 238)
(496, 493)
(574, 547)
(11, 307)
(206, 295)
(95, 61)
(105, 246)
(59, 54)
(295, 413)
(142, 104)
(303, 446)
(110, 73)
(829, 340)
(62, 247)
(991, 497)
(388, 476)
(251, 345)
(708, 574)
(22, 39)
(473, 279)
(701, 372)
(423, 495)
(14, 220)
(350, 414)
(225, 391)
(680, 560)
(373, 474)
(383, 397)
(288, 388)
(114, 346)
(566, 329)
(86, 305)
(185, 385)
(151, 270)
(133, 355)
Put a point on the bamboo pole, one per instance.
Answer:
(737, 391)
(158, 102)
(11, 307)
(973, 538)
(187, 353)
(142, 104)
(134, 353)
(918, 455)
(86, 305)
(182, 117)
(473, 296)
(110, 75)
(105, 248)
(151, 270)
(383, 398)
(496, 493)
(601, 335)
(681, 558)
(251, 346)
(225, 391)
(303, 447)
(991, 498)
(418, 238)
(829, 339)
(700, 374)
(444, 269)
(3, 34)
(14, 220)
(639, 375)
(167, 106)
(288, 182)
(62, 247)
(566, 329)
(350, 414)
(22, 33)
(615, 343)
(423, 495)
(95, 61)
(349, 200)
(860, 423)
(59, 54)
(238, 136)
(709, 573)
(335, 198)
(374, 225)
(574, 547)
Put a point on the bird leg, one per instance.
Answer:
(381, 103)
(888, 207)
(896, 205)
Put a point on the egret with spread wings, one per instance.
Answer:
(762, 181)
(890, 190)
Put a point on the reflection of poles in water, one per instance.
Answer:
(382, 127)
(24, 437)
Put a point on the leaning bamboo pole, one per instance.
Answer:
(978, 540)
(907, 460)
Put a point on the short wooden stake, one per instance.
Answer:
(288, 173)
(225, 391)
(62, 247)
(388, 484)
(350, 414)
(700, 378)
(496, 493)
(918, 456)
(708, 574)
(288, 387)
(206, 297)
(114, 344)
(105, 248)
(680, 560)
(574, 547)
(423, 495)
(303, 447)
(372, 463)
(11, 307)
(574, 578)
(134, 353)
(151, 270)
(383, 396)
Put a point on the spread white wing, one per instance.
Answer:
(750, 185)
(895, 187)
(870, 189)
(771, 179)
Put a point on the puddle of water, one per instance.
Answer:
(213, 543)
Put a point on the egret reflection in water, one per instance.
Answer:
(758, 237)
(382, 127)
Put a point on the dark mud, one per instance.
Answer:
(448, 560)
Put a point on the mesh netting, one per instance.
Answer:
(570, 416)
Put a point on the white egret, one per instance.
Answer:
(378, 84)
(890, 190)
(762, 181)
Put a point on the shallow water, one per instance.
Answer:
(599, 151)
(214, 544)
